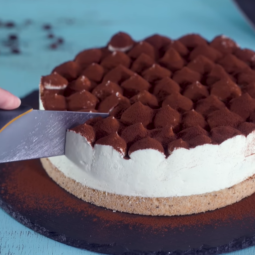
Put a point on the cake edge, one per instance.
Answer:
(153, 206)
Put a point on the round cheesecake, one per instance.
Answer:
(180, 135)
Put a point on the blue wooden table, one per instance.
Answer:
(85, 24)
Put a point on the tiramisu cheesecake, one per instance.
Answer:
(180, 135)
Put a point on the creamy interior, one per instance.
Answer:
(148, 173)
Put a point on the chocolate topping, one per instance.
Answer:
(246, 55)
(199, 140)
(250, 89)
(69, 70)
(223, 44)
(80, 84)
(87, 57)
(158, 41)
(167, 116)
(115, 141)
(165, 87)
(192, 40)
(220, 134)
(106, 127)
(172, 60)
(81, 100)
(120, 41)
(114, 59)
(178, 102)
(137, 113)
(179, 143)
(136, 89)
(208, 105)
(243, 105)
(85, 130)
(207, 51)
(94, 72)
(226, 89)
(186, 76)
(192, 119)
(142, 47)
(146, 143)
(164, 135)
(246, 77)
(217, 73)
(232, 64)
(133, 133)
(246, 128)
(54, 101)
(179, 47)
(135, 84)
(110, 102)
(224, 117)
(118, 74)
(155, 73)
(201, 64)
(196, 91)
(54, 80)
(106, 89)
(189, 133)
(141, 63)
(145, 98)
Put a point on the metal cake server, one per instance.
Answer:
(28, 134)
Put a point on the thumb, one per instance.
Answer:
(8, 101)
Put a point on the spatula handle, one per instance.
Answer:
(9, 116)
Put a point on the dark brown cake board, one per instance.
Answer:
(33, 199)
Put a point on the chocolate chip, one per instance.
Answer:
(13, 37)
(46, 26)
(9, 24)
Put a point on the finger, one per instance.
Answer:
(8, 101)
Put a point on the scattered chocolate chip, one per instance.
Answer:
(53, 46)
(50, 36)
(15, 51)
(9, 24)
(47, 27)
(60, 40)
(13, 37)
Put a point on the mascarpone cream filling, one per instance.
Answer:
(148, 173)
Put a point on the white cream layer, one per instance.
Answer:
(148, 173)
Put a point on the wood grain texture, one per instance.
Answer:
(86, 24)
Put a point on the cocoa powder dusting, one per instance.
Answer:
(30, 186)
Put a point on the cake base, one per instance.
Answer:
(29, 195)
(165, 206)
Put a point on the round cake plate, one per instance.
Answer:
(33, 199)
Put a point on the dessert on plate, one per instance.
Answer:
(180, 135)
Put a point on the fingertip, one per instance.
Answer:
(13, 103)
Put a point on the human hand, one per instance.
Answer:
(8, 101)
